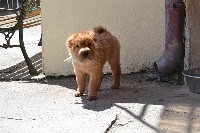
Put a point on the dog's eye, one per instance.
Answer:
(77, 46)
(89, 44)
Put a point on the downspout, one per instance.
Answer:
(174, 39)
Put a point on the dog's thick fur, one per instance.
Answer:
(90, 50)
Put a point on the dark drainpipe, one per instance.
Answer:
(174, 39)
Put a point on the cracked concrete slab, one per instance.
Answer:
(49, 105)
(138, 119)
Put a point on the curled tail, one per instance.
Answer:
(100, 29)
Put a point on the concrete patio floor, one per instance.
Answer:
(47, 104)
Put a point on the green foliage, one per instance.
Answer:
(177, 79)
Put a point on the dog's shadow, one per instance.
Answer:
(108, 97)
(132, 90)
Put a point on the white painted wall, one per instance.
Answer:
(138, 24)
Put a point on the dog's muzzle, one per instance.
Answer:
(85, 54)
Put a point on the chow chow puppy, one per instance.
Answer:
(89, 51)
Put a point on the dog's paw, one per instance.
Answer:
(78, 94)
(115, 87)
(90, 98)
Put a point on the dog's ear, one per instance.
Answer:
(93, 36)
(69, 42)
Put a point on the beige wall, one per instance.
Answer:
(138, 24)
(192, 54)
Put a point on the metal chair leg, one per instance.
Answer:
(31, 68)
(40, 42)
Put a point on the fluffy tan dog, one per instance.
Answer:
(89, 51)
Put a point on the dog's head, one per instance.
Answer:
(81, 46)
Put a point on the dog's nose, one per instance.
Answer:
(85, 54)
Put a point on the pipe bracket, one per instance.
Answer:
(178, 6)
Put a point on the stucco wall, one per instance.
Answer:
(192, 54)
(138, 24)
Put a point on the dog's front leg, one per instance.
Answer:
(94, 85)
(81, 81)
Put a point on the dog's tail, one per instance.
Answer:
(100, 29)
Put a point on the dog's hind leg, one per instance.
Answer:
(114, 62)
(81, 81)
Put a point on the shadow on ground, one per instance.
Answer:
(178, 108)
(20, 70)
